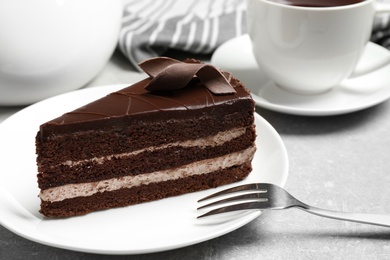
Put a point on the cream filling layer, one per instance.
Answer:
(215, 140)
(197, 168)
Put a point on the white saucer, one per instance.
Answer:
(365, 89)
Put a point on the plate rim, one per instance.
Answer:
(39, 238)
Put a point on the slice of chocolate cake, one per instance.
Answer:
(187, 128)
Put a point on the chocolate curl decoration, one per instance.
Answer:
(171, 74)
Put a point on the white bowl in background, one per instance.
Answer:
(48, 47)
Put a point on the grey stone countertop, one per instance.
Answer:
(336, 162)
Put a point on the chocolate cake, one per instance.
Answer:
(186, 128)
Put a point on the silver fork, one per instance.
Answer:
(264, 196)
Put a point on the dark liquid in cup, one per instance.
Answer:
(317, 3)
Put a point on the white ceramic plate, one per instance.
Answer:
(144, 228)
(367, 88)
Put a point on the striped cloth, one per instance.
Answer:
(151, 27)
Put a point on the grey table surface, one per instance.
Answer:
(336, 162)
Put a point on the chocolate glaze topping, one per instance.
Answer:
(165, 70)
(137, 103)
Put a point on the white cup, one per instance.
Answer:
(48, 47)
(309, 50)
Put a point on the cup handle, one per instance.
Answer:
(380, 8)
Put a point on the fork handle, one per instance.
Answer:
(365, 218)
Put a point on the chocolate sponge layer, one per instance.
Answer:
(144, 193)
(171, 126)
(145, 162)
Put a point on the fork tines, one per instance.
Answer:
(251, 196)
